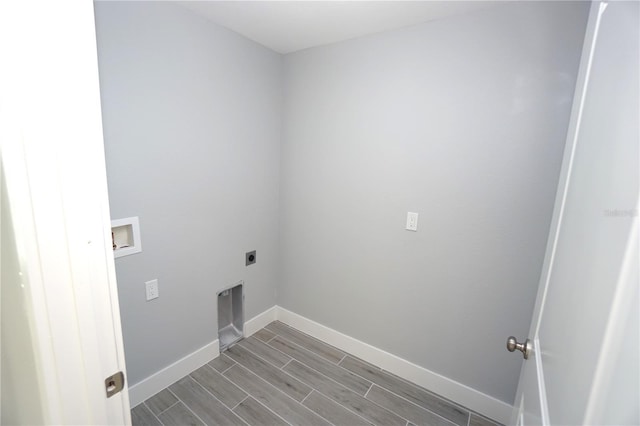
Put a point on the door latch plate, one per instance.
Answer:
(114, 384)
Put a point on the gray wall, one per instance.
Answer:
(192, 117)
(462, 120)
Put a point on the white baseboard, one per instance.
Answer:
(153, 384)
(457, 392)
(260, 321)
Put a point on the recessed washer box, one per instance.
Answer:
(125, 236)
(230, 315)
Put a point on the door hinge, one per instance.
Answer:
(114, 384)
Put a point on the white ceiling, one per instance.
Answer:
(288, 26)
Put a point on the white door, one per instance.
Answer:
(61, 334)
(583, 367)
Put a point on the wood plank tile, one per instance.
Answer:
(228, 393)
(222, 363)
(477, 420)
(329, 369)
(278, 402)
(205, 406)
(322, 349)
(265, 352)
(264, 335)
(344, 396)
(276, 377)
(408, 391)
(141, 415)
(161, 401)
(408, 410)
(257, 414)
(332, 411)
(179, 415)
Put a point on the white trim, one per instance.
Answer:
(260, 321)
(625, 299)
(134, 243)
(457, 392)
(153, 384)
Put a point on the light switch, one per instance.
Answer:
(412, 221)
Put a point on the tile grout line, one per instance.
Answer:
(372, 402)
(160, 421)
(368, 390)
(366, 364)
(256, 335)
(469, 419)
(385, 408)
(280, 369)
(226, 369)
(267, 408)
(157, 415)
(264, 359)
(347, 408)
(216, 398)
(194, 413)
(287, 373)
(251, 396)
(435, 395)
(322, 374)
(243, 400)
(454, 405)
(413, 403)
(186, 406)
(324, 359)
(308, 350)
(302, 403)
(286, 395)
(152, 413)
(350, 390)
(305, 398)
(274, 336)
(220, 372)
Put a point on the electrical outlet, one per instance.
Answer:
(250, 258)
(412, 221)
(152, 289)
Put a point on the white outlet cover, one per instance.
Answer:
(152, 289)
(412, 221)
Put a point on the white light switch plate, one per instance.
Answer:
(412, 221)
(152, 289)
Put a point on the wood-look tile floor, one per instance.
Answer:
(280, 376)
